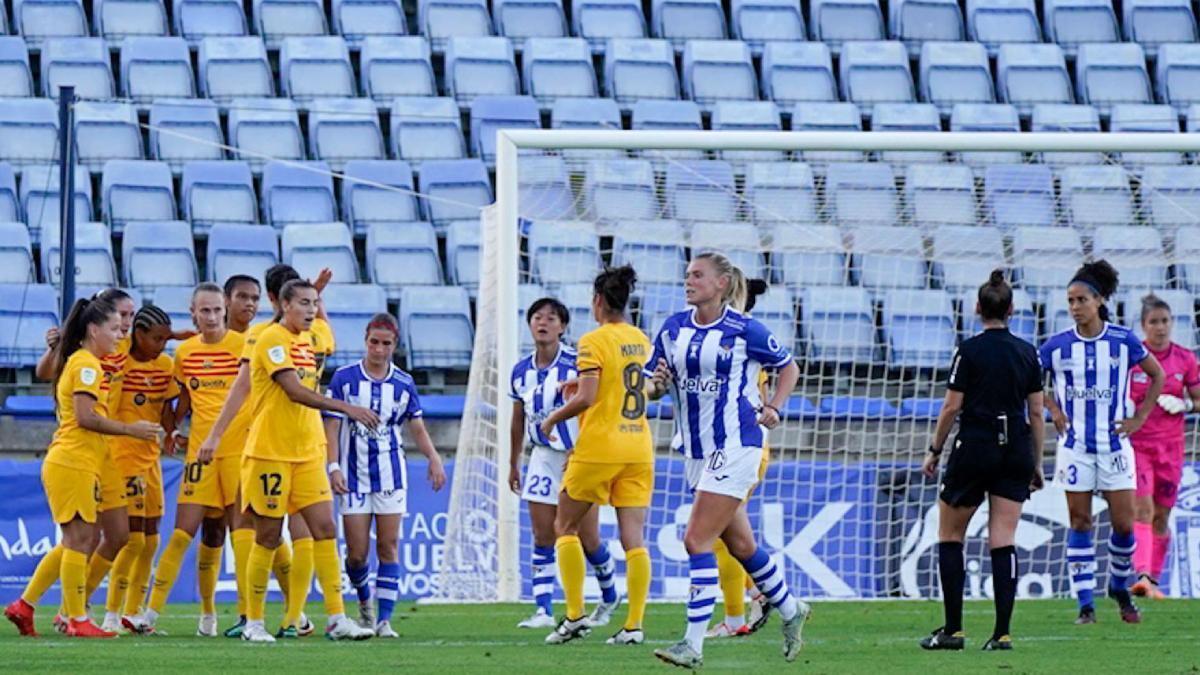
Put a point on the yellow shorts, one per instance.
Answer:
(112, 486)
(274, 489)
(71, 493)
(762, 471)
(620, 485)
(144, 491)
(214, 485)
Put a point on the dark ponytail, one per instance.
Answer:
(754, 288)
(1101, 279)
(83, 313)
(995, 297)
(615, 285)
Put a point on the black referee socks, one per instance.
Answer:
(950, 568)
(1004, 586)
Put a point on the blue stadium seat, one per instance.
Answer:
(556, 68)
(26, 312)
(311, 247)
(1071, 118)
(986, 117)
(1106, 74)
(804, 255)
(915, 22)
(1183, 313)
(599, 21)
(10, 203)
(827, 117)
(28, 131)
(217, 192)
(426, 128)
(963, 255)
(1149, 118)
(521, 19)
(37, 20)
(861, 194)
(344, 129)
(194, 118)
(275, 20)
(578, 299)
(396, 66)
(1028, 75)
(315, 67)
(158, 254)
(436, 326)
(586, 113)
(682, 21)
(464, 244)
(105, 131)
(940, 194)
(378, 191)
(176, 301)
(350, 308)
(838, 325)
(907, 117)
(544, 189)
(480, 66)
(357, 20)
(237, 248)
(1191, 120)
(1169, 196)
(1023, 323)
(955, 72)
(1177, 75)
(1044, 258)
(460, 187)
(136, 190)
(402, 254)
(888, 256)
(781, 193)
(1136, 251)
(79, 61)
(16, 79)
(762, 22)
(748, 116)
(297, 194)
(563, 252)
(527, 294)
(654, 114)
(440, 20)
(93, 255)
(701, 190)
(1153, 23)
(656, 303)
(875, 72)
(232, 67)
(1072, 23)
(640, 69)
(740, 242)
(1187, 257)
(40, 194)
(793, 72)
(16, 254)
(718, 70)
(264, 127)
(655, 248)
(836, 21)
(195, 20)
(999, 22)
(621, 189)
(776, 309)
(492, 113)
(918, 327)
(1096, 195)
(1016, 195)
(116, 20)
(156, 67)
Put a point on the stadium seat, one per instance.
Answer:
(838, 325)
(351, 307)
(887, 256)
(1136, 251)
(1153, 23)
(156, 67)
(396, 66)
(827, 117)
(556, 68)
(104, 131)
(836, 21)
(136, 190)
(426, 128)
(40, 194)
(599, 21)
(918, 327)
(521, 19)
(315, 67)
(654, 114)
(1169, 196)
(578, 299)
(480, 66)
(656, 303)
(1023, 323)
(197, 119)
(1072, 23)
(1191, 120)
(586, 113)
(28, 131)
(217, 192)
(776, 309)
(38, 20)
(655, 248)
(716, 70)
(1028, 75)
(358, 20)
(963, 255)
(436, 326)
(740, 242)
(781, 193)
(402, 254)
(621, 189)
(237, 248)
(1187, 256)
(463, 248)
(1016, 195)
(378, 191)
(340, 130)
(682, 21)
(232, 67)
(79, 61)
(1177, 75)
(1150, 118)
(1096, 195)
(1070, 118)
(955, 72)
(16, 79)
(116, 20)
(794, 72)
(527, 294)
(1106, 74)
(310, 247)
(875, 72)
(16, 254)
(861, 194)
(264, 127)
(563, 252)
(1183, 313)
(748, 116)
(1044, 258)
(10, 202)
(804, 255)
(276, 20)
(762, 22)
(195, 20)
(440, 20)
(457, 188)
(489, 114)
(907, 117)
(986, 117)
(939, 195)
(26, 312)
(93, 255)
(701, 190)
(915, 22)
(640, 69)
(544, 189)
(158, 253)
(176, 301)
(998, 22)
(297, 194)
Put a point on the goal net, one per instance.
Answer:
(874, 246)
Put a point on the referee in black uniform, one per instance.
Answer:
(995, 391)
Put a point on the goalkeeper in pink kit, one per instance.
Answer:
(1158, 446)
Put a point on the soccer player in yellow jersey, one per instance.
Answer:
(613, 459)
(242, 295)
(71, 469)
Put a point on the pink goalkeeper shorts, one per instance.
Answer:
(1159, 469)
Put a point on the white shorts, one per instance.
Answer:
(543, 476)
(732, 472)
(388, 503)
(1084, 472)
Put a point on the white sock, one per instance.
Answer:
(112, 616)
(334, 618)
(151, 616)
(695, 635)
(789, 608)
(735, 622)
(255, 623)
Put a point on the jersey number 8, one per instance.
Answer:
(633, 406)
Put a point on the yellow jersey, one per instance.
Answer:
(614, 429)
(114, 363)
(144, 388)
(207, 371)
(73, 446)
(320, 338)
(282, 429)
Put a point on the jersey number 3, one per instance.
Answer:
(633, 406)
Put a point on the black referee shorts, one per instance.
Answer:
(977, 468)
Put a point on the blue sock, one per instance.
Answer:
(702, 572)
(1081, 563)
(604, 567)
(768, 577)
(543, 571)
(360, 579)
(387, 589)
(1120, 566)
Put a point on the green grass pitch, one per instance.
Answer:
(842, 637)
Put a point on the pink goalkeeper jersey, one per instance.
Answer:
(1179, 365)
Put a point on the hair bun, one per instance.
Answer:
(996, 278)
(756, 286)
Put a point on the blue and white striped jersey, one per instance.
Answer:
(537, 390)
(1091, 385)
(715, 372)
(373, 461)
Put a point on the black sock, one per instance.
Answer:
(950, 568)
(1004, 586)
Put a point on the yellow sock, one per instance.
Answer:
(167, 570)
(733, 580)
(299, 579)
(73, 571)
(637, 586)
(98, 567)
(44, 576)
(208, 568)
(139, 578)
(122, 566)
(572, 568)
(282, 565)
(243, 540)
(258, 573)
(328, 565)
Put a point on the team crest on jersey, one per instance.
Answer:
(1142, 378)
(194, 383)
(276, 355)
(207, 365)
(726, 353)
(272, 503)
(1090, 364)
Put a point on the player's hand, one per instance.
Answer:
(181, 443)
(1173, 405)
(323, 279)
(208, 449)
(768, 418)
(930, 465)
(1130, 425)
(185, 334)
(1060, 421)
(52, 336)
(569, 387)
(1038, 482)
(141, 429)
(364, 416)
(168, 444)
(337, 481)
(514, 479)
(437, 474)
(661, 377)
(547, 428)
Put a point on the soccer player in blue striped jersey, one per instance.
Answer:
(536, 392)
(368, 471)
(1089, 366)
